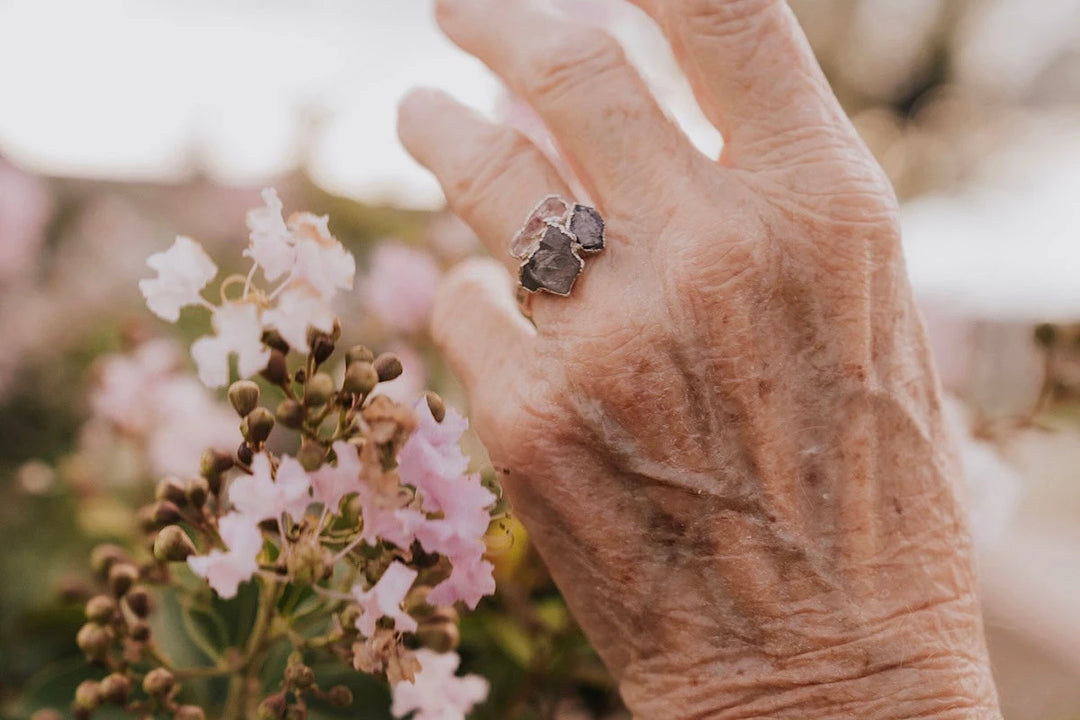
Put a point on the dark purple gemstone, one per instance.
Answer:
(588, 227)
(554, 265)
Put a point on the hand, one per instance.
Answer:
(727, 443)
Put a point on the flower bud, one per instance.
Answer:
(335, 329)
(189, 712)
(322, 347)
(299, 676)
(94, 640)
(244, 396)
(435, 405)
(165, 513)
(102, 558)
(318, 390)
(256, 426)
(360, 378)
(158, 682)
(115, 689)
(277, 369)
(1046, 335)
(311, 455)
(213, 464)
(245, 454)
(100, 609)
(197, 491)
(273, 707)
(87, 695)
(439, 634)
(139, 631)
(309, 562)
(172, 544)
(358, 353)
(138, 601)
(121, 577)
(172, 490)
(340, 696)
(388, 366)
(273, 340)
(290, 414)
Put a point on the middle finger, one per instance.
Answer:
(597, 107)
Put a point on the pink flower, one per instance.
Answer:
(321, 261)
(127, 384)
(298, 309)
(264, 495)
(187, 421)
(183, 271)
(239, 331)
(432, 461)
(438, 694)
(225, 570)
(271, 244)
(384, 599)
(400, 287)
(330, 483)
(469, 581)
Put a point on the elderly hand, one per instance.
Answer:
(727, 443)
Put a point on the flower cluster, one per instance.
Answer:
(372, 518)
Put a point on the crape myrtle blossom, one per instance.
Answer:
(436, 693)
(384, 599)
(400, 286)
(301, 253)
(432, 461)
(265, 495)
(225, 570)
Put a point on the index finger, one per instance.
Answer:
(754, 75)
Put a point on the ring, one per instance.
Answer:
(551, 242)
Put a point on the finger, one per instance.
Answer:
(477, 325)
(492, 175)
(754, 75)
(597, 107)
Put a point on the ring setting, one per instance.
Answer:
(552, 242)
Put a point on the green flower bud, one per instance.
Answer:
(311, 455)
(436, 406)
(290, 414)
(245, 454)
(165, 513)
(299, 676)
(100, 609)
(172, 544)
(322, 347)
(189, 712)
(256, 426)
(339, 696)
(244, 396)
(358, 353)
(115, 689)
(273, 707)
(95, 641)
(138, 601)
(197, 491)
(121, 577)
(360, 378)
(87, 695)
(102, 558)
(172, 490)
(318, 390)
(309, 562)
(213, 464)
(277, 369)
(158, 682)
(388, 366)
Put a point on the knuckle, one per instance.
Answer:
(724, 18)
(507, 154)
(568, 60)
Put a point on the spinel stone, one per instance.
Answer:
(554, 265)
(588, 227)
(551, 209)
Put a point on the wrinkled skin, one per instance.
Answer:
(727, 443)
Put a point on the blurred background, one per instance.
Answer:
(126, 122)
